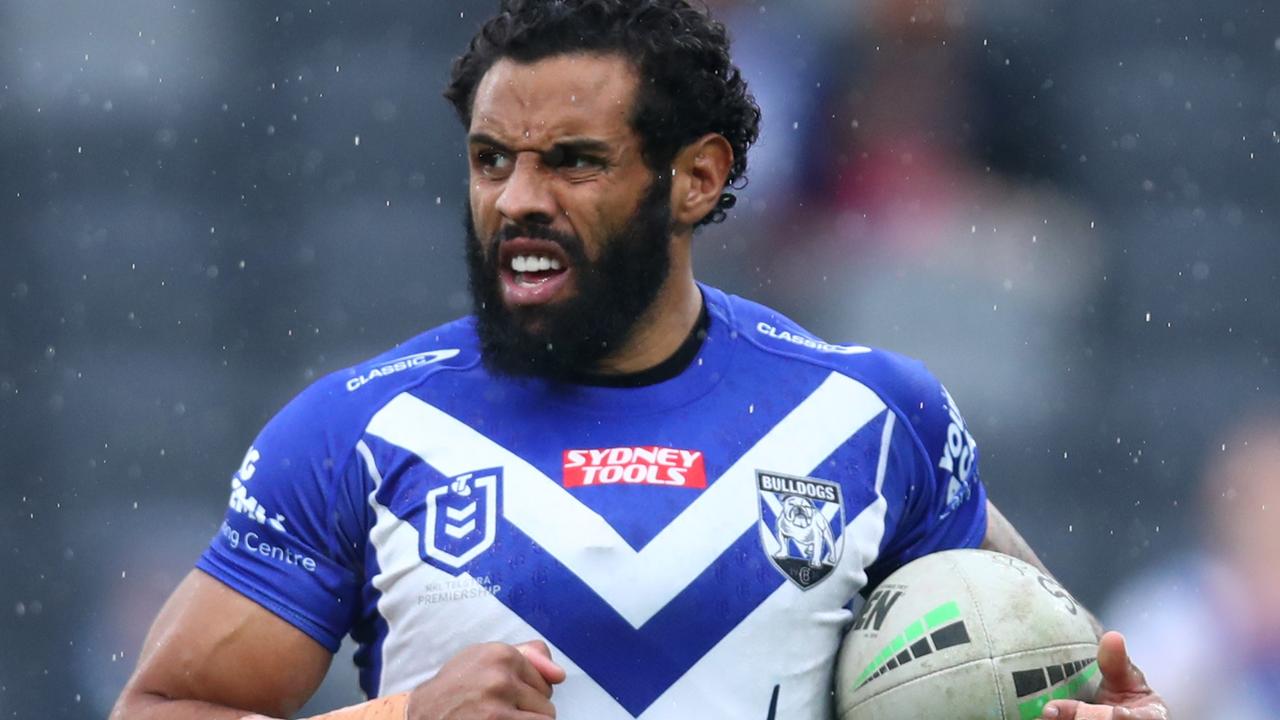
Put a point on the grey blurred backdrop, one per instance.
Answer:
(1069, 210)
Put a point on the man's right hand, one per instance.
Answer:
(491, 680)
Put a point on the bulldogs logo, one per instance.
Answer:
(461, 519)
(801, 525)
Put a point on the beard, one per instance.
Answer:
(569, 337)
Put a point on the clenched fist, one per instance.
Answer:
(490, 681)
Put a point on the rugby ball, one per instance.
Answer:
(965, 635)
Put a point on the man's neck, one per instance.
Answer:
(662, 330)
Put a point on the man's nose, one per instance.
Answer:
(526, 195)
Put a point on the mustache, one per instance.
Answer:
(571, 244)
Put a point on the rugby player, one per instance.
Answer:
(612, 480)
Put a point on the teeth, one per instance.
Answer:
(533, 263)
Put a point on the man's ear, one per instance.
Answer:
(698, 177)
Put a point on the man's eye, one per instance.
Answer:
(573, 161)
(493, 160)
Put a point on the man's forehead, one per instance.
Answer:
(572, 94)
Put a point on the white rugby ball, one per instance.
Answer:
(965, 635)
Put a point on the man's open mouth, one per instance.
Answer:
(532, 272)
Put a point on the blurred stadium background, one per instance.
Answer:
(1069, 210)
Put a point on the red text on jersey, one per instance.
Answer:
(635, 466)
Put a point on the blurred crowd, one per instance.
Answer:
(1069, 211)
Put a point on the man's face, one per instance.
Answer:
(568, 229)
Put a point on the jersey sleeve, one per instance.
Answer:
(291, 536)
(934, 497)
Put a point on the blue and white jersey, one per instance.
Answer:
(686, 547)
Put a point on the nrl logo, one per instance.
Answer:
(462, 518)
(801, 525)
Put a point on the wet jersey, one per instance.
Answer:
(688, 546)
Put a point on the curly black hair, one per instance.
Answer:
(690, 86)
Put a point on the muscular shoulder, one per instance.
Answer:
(304, 452)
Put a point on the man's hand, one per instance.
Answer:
(1123, 695)
(491, 680)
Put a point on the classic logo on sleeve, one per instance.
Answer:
(461, 519)
(957, 458)
(635, 466)
(801, 525)
(804, 341)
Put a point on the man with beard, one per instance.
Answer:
(581, 485)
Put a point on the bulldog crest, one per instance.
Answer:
(801, 525)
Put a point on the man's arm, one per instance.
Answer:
(214, 654)
(1124, 693)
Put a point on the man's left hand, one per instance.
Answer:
(1123, 694)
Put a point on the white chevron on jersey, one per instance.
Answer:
(412, 626)
(562, 525)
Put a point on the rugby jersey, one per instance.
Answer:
(691, 546)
